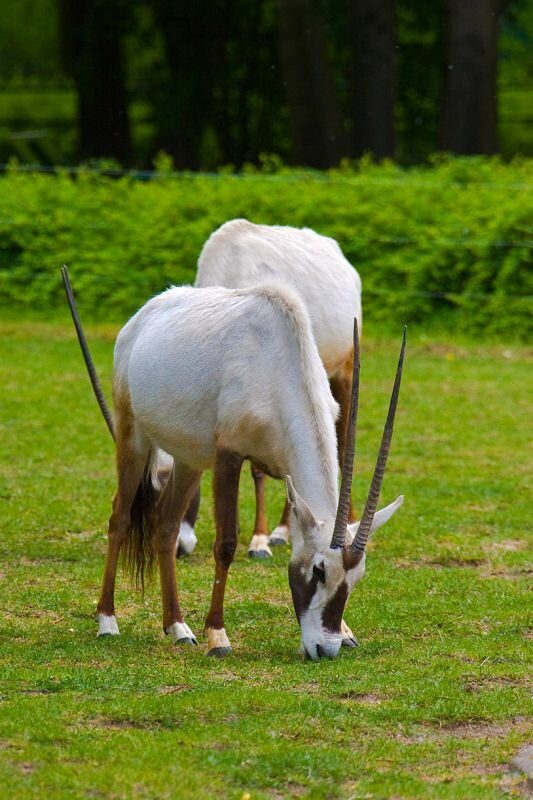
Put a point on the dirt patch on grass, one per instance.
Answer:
(507, 545)
(313, 687)
(498, 682)
(476, 729)
(508, 573)
(445, 563)
(483, 730)
(24, 767)
(7, 745)
(291, 789)
(176, 689)
(114, 724)
(365, 698)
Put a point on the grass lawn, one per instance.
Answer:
(433, 704)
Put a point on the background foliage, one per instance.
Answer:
(456, 237)
(206, 81)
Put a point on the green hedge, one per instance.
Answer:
(452, 241)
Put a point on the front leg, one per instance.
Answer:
(226, 493)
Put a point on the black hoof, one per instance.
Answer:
(186, 640)
(181, 553)
(350, 642)
(277, 542)
(103, 635)
(219, 652)
(259, 554)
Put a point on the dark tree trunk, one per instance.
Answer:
(90, 33)
(186, 30)
(373, 86)
(469, 103)
(316, 124)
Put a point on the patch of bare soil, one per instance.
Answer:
(484, 730)
(366, 698)
(5, 745)
(508, 545)
(129, 724)
(313, 687)
(509, 573)
(440, 563)
(498, 682)
(291, 789)
(175, 689)
(465, 730)
(24, 767)
(445, 563)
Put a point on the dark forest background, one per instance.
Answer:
(223, 82)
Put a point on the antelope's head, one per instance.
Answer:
(328, 557)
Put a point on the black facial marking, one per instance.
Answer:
(301, 589)
(320, 572)
(334, 609)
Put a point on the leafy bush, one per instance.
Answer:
(452, 241)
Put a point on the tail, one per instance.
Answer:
(138, 553)
(104, 408)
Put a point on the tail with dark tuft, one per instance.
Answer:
(138, 549)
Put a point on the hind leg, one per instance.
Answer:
(281, 533)
(258, 547)
(131, 458)
(173, 501)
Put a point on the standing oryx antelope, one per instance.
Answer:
(195, 374)
(241, 254)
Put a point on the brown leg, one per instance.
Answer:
(226, 492)
(341, 387)
(281, 534)
(258, 547)
(169, 511)
(130, 467)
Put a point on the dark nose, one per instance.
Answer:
(320, 652)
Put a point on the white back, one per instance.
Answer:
(237, 369)
(241, 254)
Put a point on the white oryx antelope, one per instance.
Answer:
(242, 254)
(195, 374)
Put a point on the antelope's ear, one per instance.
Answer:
(380, 518)
(301, 510)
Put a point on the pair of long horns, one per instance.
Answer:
(341, 520)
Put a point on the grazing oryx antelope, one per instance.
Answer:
(195, 374)
(241, 254)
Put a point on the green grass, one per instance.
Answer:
(433, 704)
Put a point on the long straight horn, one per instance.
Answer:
(343, 509)
(95, 383)
(363, 530)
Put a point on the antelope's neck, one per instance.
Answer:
(313, 469)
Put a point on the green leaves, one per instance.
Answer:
(448, 244)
